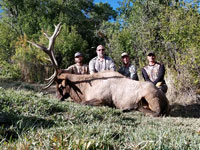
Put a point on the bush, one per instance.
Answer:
(9, 71)
(31, 61)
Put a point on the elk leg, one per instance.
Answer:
(146, 108)
(93, 102)
(147, 111)
(131, 108)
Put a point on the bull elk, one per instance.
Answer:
(107, 88)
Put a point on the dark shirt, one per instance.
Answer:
(130, 72)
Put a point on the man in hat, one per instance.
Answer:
(78, 67)
(101, 62)
(154, 72)
(128, 69)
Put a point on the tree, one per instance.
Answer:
(7, 42)
(82, 18)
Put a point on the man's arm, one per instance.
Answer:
(120, 71)
(145, 75)
(112, 65)
(68, 70)
(87, 69)
(92, 66)
(133, 73)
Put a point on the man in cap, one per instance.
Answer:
(101, 62)
(154, 72)
(128, 69)
(78, 67)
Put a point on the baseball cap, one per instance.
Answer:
(77, 54)
(150, 54)
(124, 54)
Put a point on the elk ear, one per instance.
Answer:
(62, 76)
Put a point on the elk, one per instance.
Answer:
(108, 88)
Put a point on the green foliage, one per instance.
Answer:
(7, 41)
(67, 44)
(180, 31)
(30, 61)
(33, 61)
(102, 11)
(37, 121)
(9, 71)
(170, 29)
(81, 18)
(29, 17)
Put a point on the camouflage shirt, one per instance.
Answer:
(130, 72)
(95, 65)
(76, 69)
(154, 73)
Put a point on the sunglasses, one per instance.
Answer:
(100, 49)
(151, 55)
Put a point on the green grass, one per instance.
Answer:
(33, 120)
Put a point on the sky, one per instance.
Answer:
(113, 3)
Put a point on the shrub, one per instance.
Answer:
(9, 71)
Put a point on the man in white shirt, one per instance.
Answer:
(101, 62)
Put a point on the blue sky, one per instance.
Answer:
(113, 3)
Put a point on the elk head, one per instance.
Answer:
(49, 51)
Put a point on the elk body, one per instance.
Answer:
(110, 88)
(107, 88)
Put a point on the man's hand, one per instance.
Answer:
(158, 84)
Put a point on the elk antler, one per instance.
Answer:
(49, 51)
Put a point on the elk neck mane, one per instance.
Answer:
(90, 77)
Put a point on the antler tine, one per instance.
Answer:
(49, 51)
(52, 76)
(48, 59)
(46, 35)
(59, 29)
(53, 37)
(48, 84)
(39, 46)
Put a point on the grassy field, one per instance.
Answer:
(30, 119)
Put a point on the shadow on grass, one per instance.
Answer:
(56, 109)
(186, 111)
(12, 126)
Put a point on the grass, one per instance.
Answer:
(34, 120)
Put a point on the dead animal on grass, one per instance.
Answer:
(107, 88)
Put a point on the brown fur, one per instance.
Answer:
(110, 88)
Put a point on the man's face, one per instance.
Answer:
(78, 59)
(100, 51)
(151, 58)
(125, 60)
